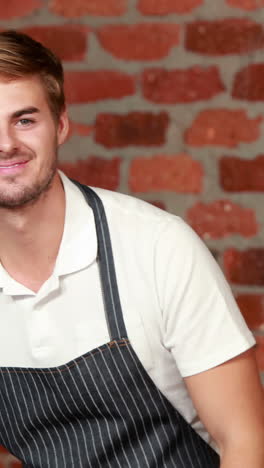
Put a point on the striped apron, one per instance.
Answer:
(101, 409)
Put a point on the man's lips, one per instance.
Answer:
(7, 164)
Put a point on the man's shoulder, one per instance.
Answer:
(126, 213)
(120, 203)
(131, 206)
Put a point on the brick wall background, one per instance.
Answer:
(166, 103)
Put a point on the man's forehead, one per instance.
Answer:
(34, 80)
(21, 93)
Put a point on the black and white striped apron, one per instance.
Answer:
(101, 409)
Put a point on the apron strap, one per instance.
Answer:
(112, 304)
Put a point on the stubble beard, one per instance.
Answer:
(28, 194)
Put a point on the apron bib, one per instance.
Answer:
(101, 409)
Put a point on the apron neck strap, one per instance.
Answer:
(112, 304)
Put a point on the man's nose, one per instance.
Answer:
(8, 143)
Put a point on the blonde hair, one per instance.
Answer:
(21, 56)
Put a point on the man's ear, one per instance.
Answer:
(63, 127)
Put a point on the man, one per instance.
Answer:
(120, 350)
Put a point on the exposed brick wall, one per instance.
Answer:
(166, 103)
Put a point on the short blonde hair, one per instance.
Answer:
(21, 56)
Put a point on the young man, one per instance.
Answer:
(125, 350)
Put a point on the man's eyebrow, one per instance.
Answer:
(26, 110)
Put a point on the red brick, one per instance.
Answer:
(90, 86)
(245, 267)
(71, 9)
(165, 7)
(135, 128)
(17, 8)
(239, 175)
(179, 86)
(79, 129)
(252, 308)
(260, 352)
(179, 173)
(69, 42)
(223, 127)
(246, 4)
(149, 41)
(94, 171)
(222, 37)
(248, 83)
(222, 218)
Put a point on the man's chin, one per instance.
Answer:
(17, 201)
(23, 196)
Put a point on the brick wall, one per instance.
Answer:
(166, 103)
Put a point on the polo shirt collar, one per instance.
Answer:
(78, 248)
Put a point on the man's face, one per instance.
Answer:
(29, 140)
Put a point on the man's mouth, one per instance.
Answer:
(4, 165)
(10, 167)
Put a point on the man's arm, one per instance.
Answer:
(230, 402)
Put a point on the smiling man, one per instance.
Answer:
(120, 342)
(17, 194)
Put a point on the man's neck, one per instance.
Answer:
(30, 237)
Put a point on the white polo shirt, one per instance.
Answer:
(180, 315)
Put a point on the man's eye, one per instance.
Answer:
(25, 122)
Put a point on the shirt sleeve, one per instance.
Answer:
(202, 325)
